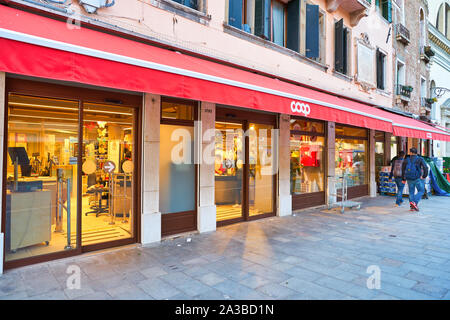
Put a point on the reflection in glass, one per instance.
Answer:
(107, 173)
(42, 142)
(261, 169)
(351, 158)
(307, 165)
(228, 169)
(176, 169)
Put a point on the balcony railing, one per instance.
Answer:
(426, 53)
(402, 33)
(426, 103)
(404, 92)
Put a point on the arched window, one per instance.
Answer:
(422, 28)
(443, 19)
(440, 20)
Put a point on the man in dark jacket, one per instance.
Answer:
(397, 173)
(414, 170)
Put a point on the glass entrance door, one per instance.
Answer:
(261, 169)
(108, 173)
(41, 176)
(229, 171)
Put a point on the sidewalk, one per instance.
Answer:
(314, 254)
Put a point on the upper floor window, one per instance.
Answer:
(188, 3)
(443, 19)
(341, 47)
(399, 12)
(385, 8)
(273, 20)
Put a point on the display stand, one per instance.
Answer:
(119, 197)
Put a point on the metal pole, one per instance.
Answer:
(111, 198)
(68, 209)
(124, 217)
(58, 227)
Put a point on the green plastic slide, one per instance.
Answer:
(440, 179)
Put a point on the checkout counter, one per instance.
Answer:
(31, 204)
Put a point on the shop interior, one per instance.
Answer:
(307, 153)
(229, 170)
(42, 172)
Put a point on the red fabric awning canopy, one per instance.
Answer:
(41, 47)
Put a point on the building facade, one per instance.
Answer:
(439, 34)
(136, 121)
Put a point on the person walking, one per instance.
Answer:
(414, 171)
(397, 173)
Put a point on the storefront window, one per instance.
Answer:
(394, 146)
(307, 126)
(379, 149)
(351, 158)
(176, 157)
(176, 110)
(229, 170)
(307, 163)
(41, 176)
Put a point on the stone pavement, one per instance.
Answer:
(315, 254)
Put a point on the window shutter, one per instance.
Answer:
(380, 70)
(344, 50)
(386, 8)
(312, 31)
(389, 13)
(338, 45)
(293, 25)
(262, 18)
(235, 13)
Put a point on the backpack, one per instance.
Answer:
(413, 170)
(398, 168)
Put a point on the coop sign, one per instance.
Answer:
(300, 107)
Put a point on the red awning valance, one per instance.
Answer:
(36, 46)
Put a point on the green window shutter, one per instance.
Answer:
(386, 9)
(338, 46)
(293, 25)
(344, 50)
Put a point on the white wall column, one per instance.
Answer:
(206, 210)
(372, 171)
(331, 163)
(284, 171)
(2, 126)
(151, 217)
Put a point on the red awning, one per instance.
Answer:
(41, 47)
(408, 127)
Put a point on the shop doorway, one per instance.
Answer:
(63, 197)
(245, 165)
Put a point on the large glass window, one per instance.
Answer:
(176, 157)
(307, 156)
(41, 176)
(394, 146)
(351, 159)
